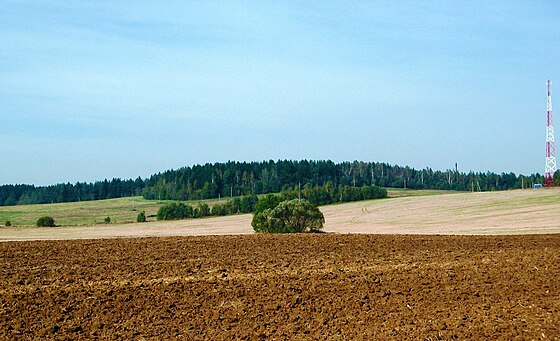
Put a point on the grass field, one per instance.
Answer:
(121, 210)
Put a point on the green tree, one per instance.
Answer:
(141, 218)
(292, 216)
(247, 203)
(269, 201)
(204, 210)
(556, 178)
(46, 222)
(234, 206)
(8, 224)
(107, 220)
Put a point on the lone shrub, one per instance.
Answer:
(45, 222)
(8, 224)
(291, 216)
(141, 218)
(107, 220)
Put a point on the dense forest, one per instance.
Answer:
(246, 178)
(242, 178)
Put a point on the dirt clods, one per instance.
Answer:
(319, 286)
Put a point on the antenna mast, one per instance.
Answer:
(550, 163)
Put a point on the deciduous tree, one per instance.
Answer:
(291, 216)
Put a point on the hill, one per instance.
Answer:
(228, 179)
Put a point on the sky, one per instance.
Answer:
(103, 89)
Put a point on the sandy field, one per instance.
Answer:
(511, 212)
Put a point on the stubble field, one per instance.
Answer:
(321, 286)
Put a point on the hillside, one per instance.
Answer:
(506, 212)
(120, 210)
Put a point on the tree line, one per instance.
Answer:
(316, 195)
(230, 179)
(243, 178)
(80, 191)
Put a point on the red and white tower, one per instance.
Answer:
(550, 164)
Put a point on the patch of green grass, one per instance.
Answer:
(530, 198)
(542, 198)
(401, 192)
(121, 210)
(552, 197)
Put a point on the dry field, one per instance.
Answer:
(321, 286)
(511, 212)
(508, 212)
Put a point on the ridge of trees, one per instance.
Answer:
(233, 178)
(317, 195)
(243, 178)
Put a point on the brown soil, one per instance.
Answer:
(322, 286)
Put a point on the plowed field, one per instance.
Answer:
(322, 286)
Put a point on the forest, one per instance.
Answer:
(233, 178)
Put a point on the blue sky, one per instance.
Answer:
(101, 89)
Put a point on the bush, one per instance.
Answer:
(141, 218)
(204, 210)
(291, 216)
(8, 224)
(107, 220)
(219, 210)
(174, 211)
(45, 222)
